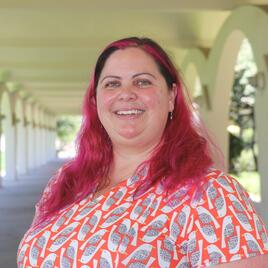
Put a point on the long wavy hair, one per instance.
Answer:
(183, 154)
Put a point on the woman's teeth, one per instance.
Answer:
(129, 112)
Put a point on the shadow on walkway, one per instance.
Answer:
(17, 201)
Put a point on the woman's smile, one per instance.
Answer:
(129, 114)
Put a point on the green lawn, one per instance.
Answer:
(251, 182)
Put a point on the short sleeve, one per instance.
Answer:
(225, 226)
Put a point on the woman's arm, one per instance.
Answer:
(260, 261)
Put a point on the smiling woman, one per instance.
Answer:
(142, 190)
(133, 100)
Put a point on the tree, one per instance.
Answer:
(242, 112)
(67, 127)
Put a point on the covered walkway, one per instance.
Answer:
(17, 200)
(47, 53)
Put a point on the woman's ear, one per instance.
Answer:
(172, 97)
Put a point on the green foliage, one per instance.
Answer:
(235, 149)
(243, 151)
(242, 114)
(67, 127)
(251, 182)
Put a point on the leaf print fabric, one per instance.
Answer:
(187, 230)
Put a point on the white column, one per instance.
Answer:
(10, 153)
(30, 138)
(43, 135)
(21, 138)
(43, 145)
(21, 150)
(47, 145)
(9, 138)
(35, 146)
(53, 147)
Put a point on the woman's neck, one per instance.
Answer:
(125, 162)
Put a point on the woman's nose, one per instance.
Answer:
(127, 93)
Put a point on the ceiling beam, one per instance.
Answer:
(138, 5)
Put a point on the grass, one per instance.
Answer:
(251, 181)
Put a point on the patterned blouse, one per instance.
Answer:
(189, 229)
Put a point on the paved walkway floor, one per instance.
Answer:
(17, 200)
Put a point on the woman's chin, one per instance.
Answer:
(129, 133)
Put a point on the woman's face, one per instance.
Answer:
(133, 100)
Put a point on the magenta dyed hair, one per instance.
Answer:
(182, 157)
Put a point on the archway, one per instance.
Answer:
(243, 147)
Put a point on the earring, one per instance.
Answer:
(171, 115)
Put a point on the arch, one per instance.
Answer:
(219, 68)
(191, 77)
(197, 58)
(224, 77)
(227, 45)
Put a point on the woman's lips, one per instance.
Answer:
(129, 113)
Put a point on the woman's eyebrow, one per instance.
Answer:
(135, 75)
(110, 76)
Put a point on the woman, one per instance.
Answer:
(141, 191)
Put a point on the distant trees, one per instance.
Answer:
(243, 153)
(67, 127)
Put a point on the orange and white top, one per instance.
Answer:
(190, 229)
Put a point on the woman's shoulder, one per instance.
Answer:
(216, 198)
(220, 178)
(219, 191)
(207, 187)
(218, 213)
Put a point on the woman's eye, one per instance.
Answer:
(112, 84)
(143, 82)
